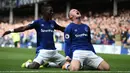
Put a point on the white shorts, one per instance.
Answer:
(50, 56)
(87, 58)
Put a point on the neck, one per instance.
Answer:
(46, 18)
(77, 21)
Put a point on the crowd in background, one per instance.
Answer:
(105, 29)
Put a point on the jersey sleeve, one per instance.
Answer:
(34, 24)
(67, 36)
(89, 34)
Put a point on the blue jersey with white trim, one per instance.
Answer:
(77, 37)
(44, 31)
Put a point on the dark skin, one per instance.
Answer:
(47, 13)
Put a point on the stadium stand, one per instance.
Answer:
(106, 29)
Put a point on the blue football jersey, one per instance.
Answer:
(77, 37)
(45, 30)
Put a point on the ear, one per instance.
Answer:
(70, 17)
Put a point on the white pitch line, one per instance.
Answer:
(64, 71)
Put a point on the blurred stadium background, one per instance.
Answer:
(109, 21)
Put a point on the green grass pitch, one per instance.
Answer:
(12, 58)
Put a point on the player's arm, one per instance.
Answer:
(57, 27)
(20, 29)
(67, 36)
(61, 28)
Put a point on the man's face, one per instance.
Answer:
(75, 13)
(48, 11)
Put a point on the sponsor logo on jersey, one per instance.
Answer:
(49, 30)
(81, 35)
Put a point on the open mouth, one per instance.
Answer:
(77, 13)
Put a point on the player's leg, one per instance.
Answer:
(74, 65)
(77, 60)
(96, 62)
(59, 59)
(40, 58)
(37, 61)
(50, 64)
(51, 58)
(31, 65)
(104, 66)
(35, 64)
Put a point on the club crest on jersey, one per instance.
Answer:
(86, 29)
(42, 25)
(67, 36)
(52, 25)
(75, 30)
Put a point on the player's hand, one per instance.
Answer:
(68, 58)
(5, 33)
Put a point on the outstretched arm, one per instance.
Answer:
(61, 28)
(58, 27)
(34, 24)
(19, 29)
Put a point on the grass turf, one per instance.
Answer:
(12, 58)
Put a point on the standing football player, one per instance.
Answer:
(78, 46)
(46, 50)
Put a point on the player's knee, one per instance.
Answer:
(107, 67)
(75, 65)
(104, 66)
(34, 65)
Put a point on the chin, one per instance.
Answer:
(78, 17)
